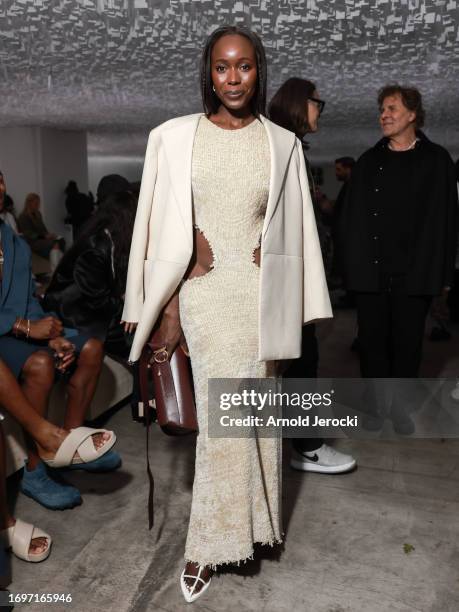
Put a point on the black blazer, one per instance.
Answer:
(433, 221)
(83, 291)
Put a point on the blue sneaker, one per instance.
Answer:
(107, 463)
(48, 492)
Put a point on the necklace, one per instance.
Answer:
(411, 146)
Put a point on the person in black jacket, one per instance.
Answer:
(399, 230)
(87, 288)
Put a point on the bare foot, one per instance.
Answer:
(52, 437)
(192, 569)
(37, 545)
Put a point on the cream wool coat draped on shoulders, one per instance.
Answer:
(293, 289)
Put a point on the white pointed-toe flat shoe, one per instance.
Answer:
(189, 592)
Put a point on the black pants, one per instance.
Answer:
(391, 331)
(306, 367)
(453, 298)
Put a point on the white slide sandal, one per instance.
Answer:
(19, 536)
(80, 440)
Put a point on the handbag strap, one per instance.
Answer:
(144, 395)
(151, 481)
(154, 342)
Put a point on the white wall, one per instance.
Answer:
(20, 162)
(63, 158)
(43, 160)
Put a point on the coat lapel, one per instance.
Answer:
(8, 253)
(281, 143)
(178, 145)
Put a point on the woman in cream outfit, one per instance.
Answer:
(225, 253)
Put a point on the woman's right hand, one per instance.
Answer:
(46, 328)
(129, 328)
(170, 330)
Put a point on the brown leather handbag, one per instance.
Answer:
(172, 390)
(172, 386)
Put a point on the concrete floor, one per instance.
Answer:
(345, 535)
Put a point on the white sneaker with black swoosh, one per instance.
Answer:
(325, 460)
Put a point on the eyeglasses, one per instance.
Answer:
(319, 103)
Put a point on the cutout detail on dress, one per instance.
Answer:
(206, 256)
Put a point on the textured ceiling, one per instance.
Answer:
(123, 65)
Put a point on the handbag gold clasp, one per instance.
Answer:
(161, 355)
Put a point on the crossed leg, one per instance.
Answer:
(80, 390)
(28, 404)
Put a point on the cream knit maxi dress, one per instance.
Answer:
(237, 484)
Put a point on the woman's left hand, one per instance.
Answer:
(65, 352)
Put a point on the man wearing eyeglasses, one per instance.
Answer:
(399, 227)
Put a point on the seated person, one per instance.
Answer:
(87, 289)
(32, 227)
(6, 215)
(32, 345)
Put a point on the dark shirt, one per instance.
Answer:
(396, 181)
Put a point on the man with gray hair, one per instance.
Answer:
(399, 228)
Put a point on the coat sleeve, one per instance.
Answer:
(34, 310)
(452, 224)
(134, 297)
(7, 319)
(23, 285)
(316, 300)
(11, 221)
